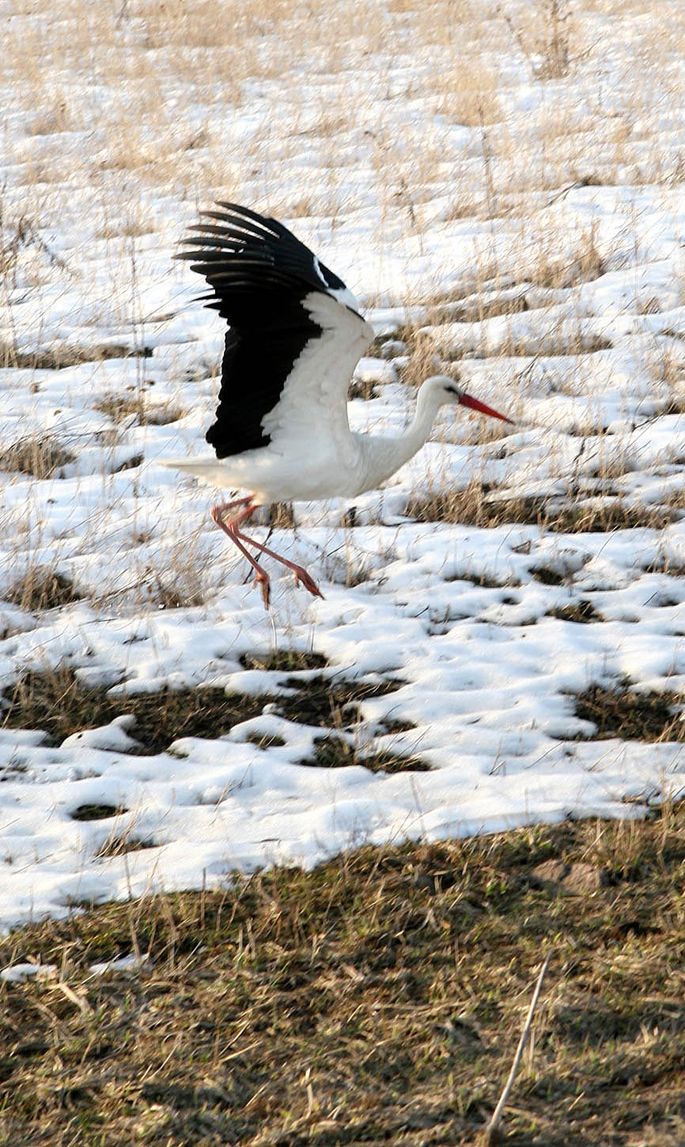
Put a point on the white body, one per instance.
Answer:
(313, 454)
(340, 466)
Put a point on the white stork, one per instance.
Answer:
(295, 335)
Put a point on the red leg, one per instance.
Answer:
(301, 575)
(232, 528)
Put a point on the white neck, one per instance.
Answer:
(428, 402)
(386, 455)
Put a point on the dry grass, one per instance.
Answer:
(478, 505)
(547, 42)
(335, 752)
(375, 999)
(138, 408)
(470, 93)
(544, 252)
(42, 588)
(477, 308)
(119, 845)
(40, 457)
(142, 54)
(177, 588)
(66, 354)
(582, 612)
(363, 388)
(281, 516)
(630, 714)
(422, 357)
(56, 702)
(547, 344)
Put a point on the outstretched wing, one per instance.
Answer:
(295, 332)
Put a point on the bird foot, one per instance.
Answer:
(265, 589)
(307, 581)
(231, 526)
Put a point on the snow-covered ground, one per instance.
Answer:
(502, 189)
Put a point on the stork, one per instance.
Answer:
(295, 335)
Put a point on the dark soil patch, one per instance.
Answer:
(329, 702)
(57, 703)
(376, 999)
(42, 589)
(338, 753)
(284, 661)
(97, 811)
(629, 715)
(65, 354)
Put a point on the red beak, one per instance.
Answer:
(475, 404)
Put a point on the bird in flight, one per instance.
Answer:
(295, 335)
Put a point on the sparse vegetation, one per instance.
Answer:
(284, 660)
(631, 714)
(40, 457)
(480, 505)
(56, 702)
(41, 589)
(116, 845)
(329, 701)
(64, 354)
(123, 408)
(377, 998)
(422, 360)
(281, 516)
(581, 611)
(363, 388)
(336, 752)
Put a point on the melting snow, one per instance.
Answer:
(467, 620)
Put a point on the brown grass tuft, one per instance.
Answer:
(631, 715)
(119, 845)
(585, 264)
(582, 612)
(281, 516)
(423, 360)
(474, 505)
(39, 457)
(42, 588)
(121, 408)
(335, 752)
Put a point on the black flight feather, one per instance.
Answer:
(260, 275)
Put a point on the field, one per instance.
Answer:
(265, 805)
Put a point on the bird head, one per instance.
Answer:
(445, 391)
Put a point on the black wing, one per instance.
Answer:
(263, 281)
